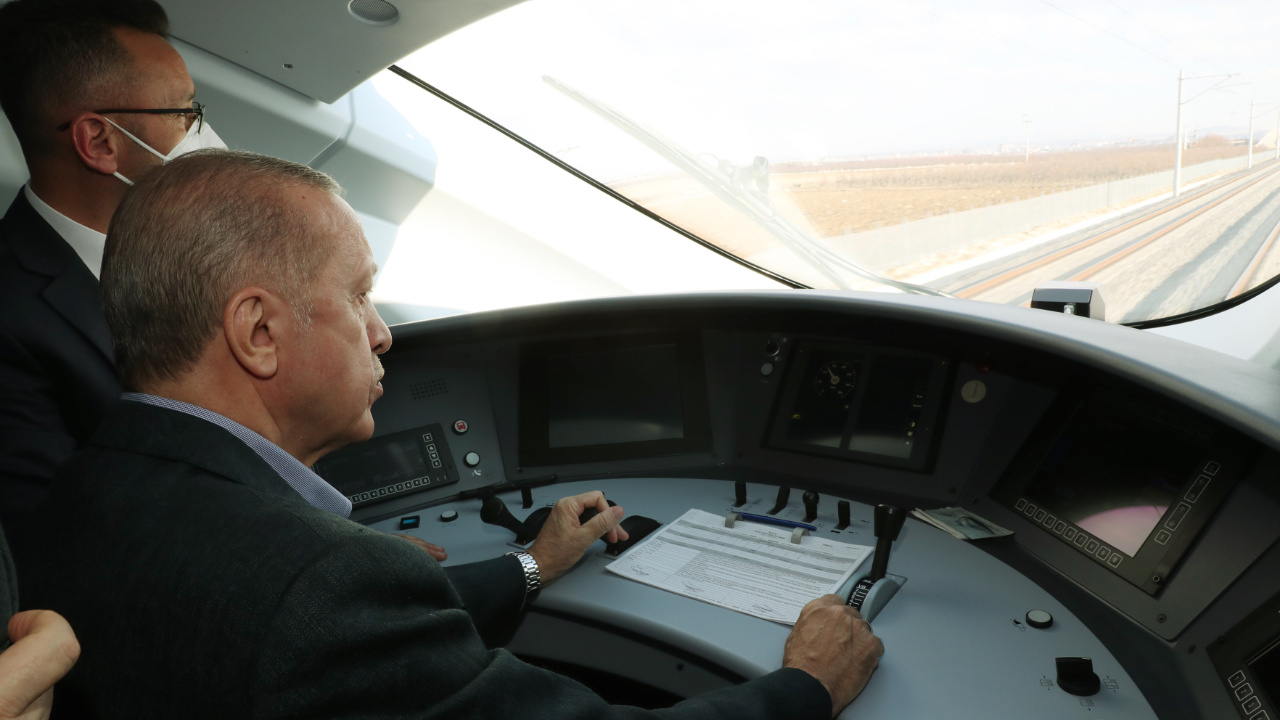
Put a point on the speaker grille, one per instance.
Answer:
(374, 12)
(423, 389)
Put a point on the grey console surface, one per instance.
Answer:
(957, 644)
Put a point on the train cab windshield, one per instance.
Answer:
(975, 152)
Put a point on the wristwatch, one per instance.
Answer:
(532, 575)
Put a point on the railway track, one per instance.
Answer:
(1207, 246)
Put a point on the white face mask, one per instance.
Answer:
(198, 137)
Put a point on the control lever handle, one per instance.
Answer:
(810, 499)
(495, 512)
(889, 520)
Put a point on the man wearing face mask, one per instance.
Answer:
(97, 98)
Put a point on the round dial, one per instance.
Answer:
(835, 379)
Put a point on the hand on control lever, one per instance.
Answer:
(566, 536)
(832, 642)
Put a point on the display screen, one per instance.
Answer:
(404, 462)
(614, 396)
(861, 402)
(598, 399)
(1265, 667)
(374, 465)
(1114, 472)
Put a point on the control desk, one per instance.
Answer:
(1138, 475)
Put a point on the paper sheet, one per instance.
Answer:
(752, 568)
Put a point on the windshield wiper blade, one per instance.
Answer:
(728, 184)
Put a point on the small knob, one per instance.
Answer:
(1076, 676)
(448, 516)
(472, 459)
(739, 493)
(810, 505)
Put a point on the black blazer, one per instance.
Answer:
(201, 585)
(57, 375)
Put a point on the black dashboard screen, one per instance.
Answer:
(1124, 477)
(614, 396)
(627, 396)
(1114, 473)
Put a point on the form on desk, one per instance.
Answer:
(751, 568)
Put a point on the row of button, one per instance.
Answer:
(392, 489)
(1244, 695)
(1069, 533)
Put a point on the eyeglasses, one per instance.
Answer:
(196, 109)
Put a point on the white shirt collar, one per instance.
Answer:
(87, 242)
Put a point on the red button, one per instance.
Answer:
(459, 426)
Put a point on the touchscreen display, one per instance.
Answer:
(1114, 473)
(614, 396)
(375, 464)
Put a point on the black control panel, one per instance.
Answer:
(395, 464)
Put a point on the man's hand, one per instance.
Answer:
(834, 644)
(44, 649)
(431, 549)
(563, 540)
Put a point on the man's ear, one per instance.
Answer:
(252, 322)
(95, 143)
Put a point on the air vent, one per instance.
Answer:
(423, 389)
(374, 12)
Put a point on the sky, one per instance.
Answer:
(814, 80)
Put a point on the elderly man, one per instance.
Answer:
(197, 556)
(97, 98)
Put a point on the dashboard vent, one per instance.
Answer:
(423, 389)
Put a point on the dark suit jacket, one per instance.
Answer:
(57, 375)
(201, 585)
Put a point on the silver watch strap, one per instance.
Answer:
(532, 575)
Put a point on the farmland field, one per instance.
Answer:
(828, 200)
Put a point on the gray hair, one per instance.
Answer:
(187, 237)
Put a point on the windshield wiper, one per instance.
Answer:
(745, 189)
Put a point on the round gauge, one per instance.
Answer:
(835, 379)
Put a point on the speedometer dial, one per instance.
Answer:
(835, 379)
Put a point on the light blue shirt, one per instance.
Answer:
(313, 488)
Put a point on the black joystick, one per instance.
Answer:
(889, 520)
(1076, 676)
(810, 505)
(495, 512)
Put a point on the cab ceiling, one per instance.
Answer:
(319, 48)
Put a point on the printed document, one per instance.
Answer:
(751, 568)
